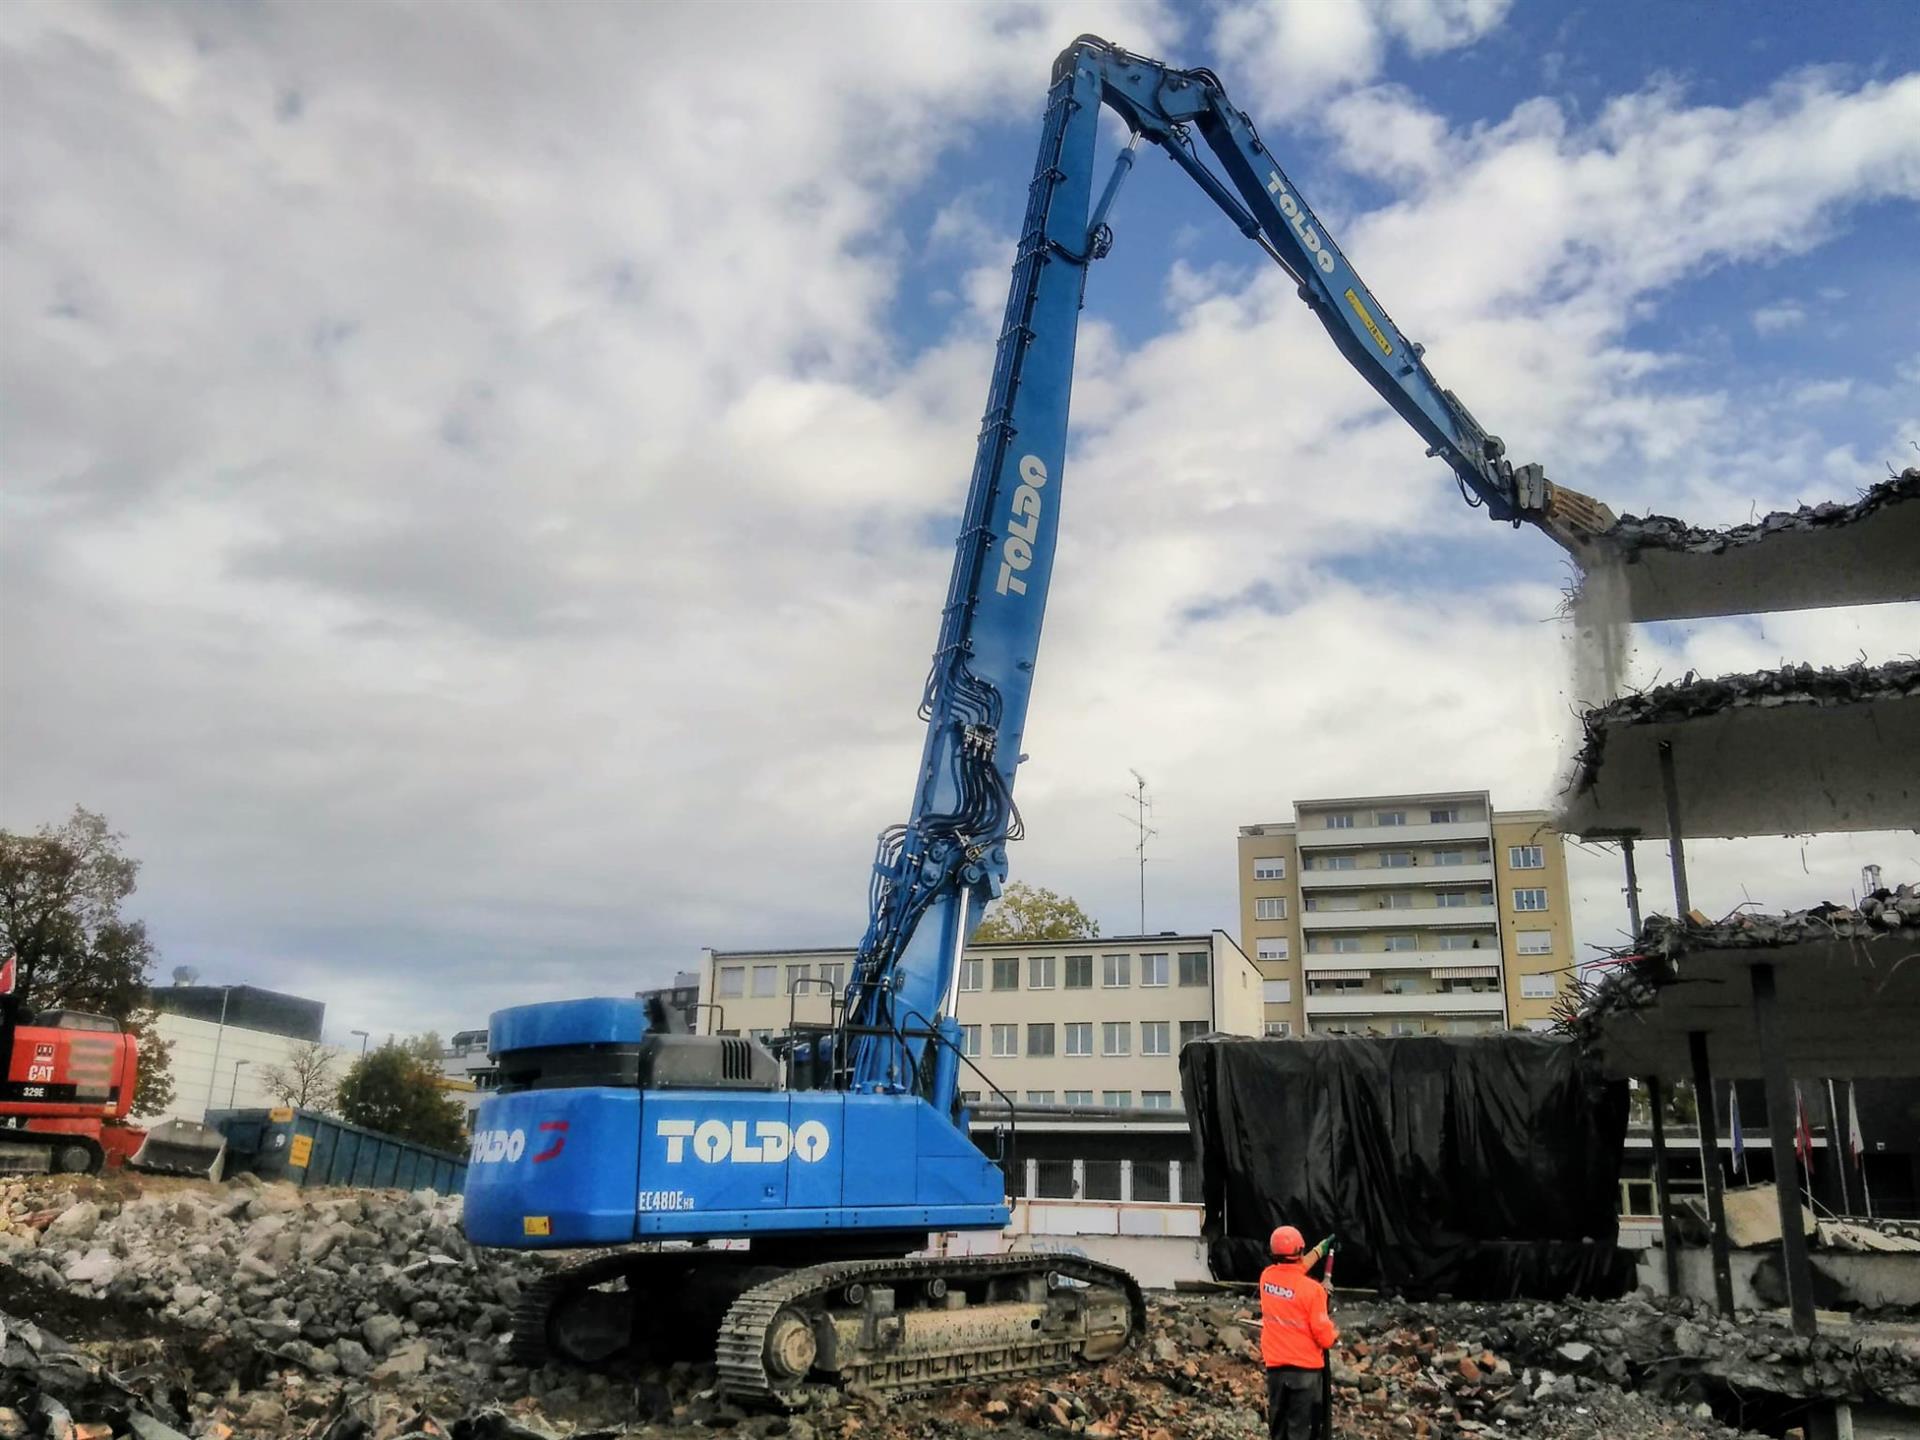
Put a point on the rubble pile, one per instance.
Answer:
(1632, 533)
(172, 1309)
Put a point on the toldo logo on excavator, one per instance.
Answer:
(1022, 525)
(1296, 214)
(729, 1142)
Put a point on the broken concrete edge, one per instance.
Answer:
(1692, 698)
(1632, 534)
(1633, 975)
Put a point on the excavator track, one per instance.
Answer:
(891, 1327)
(971, 1319)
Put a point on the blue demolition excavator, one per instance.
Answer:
(836, 1158)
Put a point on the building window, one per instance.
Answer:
(1443, 815)
(1449, 857)
(1263, 950)
(1333, 987)
(1192, 1030)
(1337, 862)
(971, 974)
(970, 1097)
(795, 974)
(1039, 1097)
(1116, 971)
(1402, 942)
(733, 981)
(1479, 985)
(1459, 942)
(1339, 822)
(1396, 900)
(1079, 1097)
(1279, 1029)
(1006, 1042)
(970, 1041)
(1154, 1037)
(1153, 971)
(1540, 1025)
(1390, 818)
(1040, 1039)
(1116, 1037)
(1270, 867)
(1006, 972)
(1270, 908)
(1277, 992)
(1397, 860)
(1079, 972)
(1079, 1037)
(834, 972)
(1529, 899)
(1195, 964)
(1334, 1027)
(1526, 857)
(1118, 1099)
(762, 1035)
(1342, 945)
(1404, 1027)
(1040, 970)
(1399, 985)
(1453, 899)
(766, 980)
(1156, 1100)
(1537, 987)
(1533, 942)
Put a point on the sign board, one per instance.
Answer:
(301, 1152)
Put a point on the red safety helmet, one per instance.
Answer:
(1288, 1242)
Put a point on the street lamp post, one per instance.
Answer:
(363, 1039)
(219, 1035)
(234, 1089)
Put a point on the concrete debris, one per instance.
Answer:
(1870, 1237)
(1632, 534)
(184, 1339)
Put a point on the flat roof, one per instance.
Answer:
(1778, 752)
(1659, 568)
(846, 952)
(1847, 1007)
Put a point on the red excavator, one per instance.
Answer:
(66, 1084)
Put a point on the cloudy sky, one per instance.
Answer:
(480, 479)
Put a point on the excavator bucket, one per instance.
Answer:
(181, 1147)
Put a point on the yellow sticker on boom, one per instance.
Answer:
(301, 1152)
(280, 1114)
(536, 1224)
(1366, 319)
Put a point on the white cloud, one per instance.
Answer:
(479, 529)
(1785, 315)
(1289, 55)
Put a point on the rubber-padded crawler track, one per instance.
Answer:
(741, 1348)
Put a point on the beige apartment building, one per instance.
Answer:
(1406, 915)
(1083, 1022)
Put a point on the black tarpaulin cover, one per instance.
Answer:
(1479, 1167)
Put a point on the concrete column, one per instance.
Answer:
(1786, 1185)
(1633, 886)
(1079, 1179)
(1676, 846)
(1173, 1180)
(1126, 1181)
(1710, 1170)
(1662, 1196)
(1033, 1178)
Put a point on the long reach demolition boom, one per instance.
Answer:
(837, 1156)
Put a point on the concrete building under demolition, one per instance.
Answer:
(1793, 1002)
(1406, 915)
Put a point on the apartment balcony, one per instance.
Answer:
(1429, 917)
(1463, 1003)
(1385, 878)
(1372, 835)
(1371, 960)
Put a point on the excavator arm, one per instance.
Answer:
(934, 875)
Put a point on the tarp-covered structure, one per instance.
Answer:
(1474, 1166)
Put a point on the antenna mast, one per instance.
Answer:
(1142, 810)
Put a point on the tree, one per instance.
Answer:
(61, 889)
(306, 1079)
(395, 1091)
(1027, 912)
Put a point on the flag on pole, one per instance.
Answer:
(1733, 1125)
(6, 976)
(1856, 1143)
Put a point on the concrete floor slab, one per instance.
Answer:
(1780, 752)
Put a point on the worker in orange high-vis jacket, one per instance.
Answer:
(1295, 1334)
